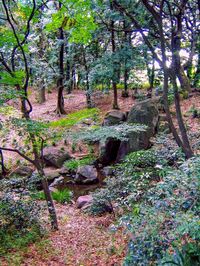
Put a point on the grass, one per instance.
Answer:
(61, 196)
(76, 117)
(73, 164)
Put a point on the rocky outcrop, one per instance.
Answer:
(146, 113)
(114, 117)
(136, 141)
(55, 157)
(86, 175)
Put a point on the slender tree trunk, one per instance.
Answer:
(185, 141)
(184, 80)
(48, 197)
(88, 90)
(114, 78)
(41, 88)
(197, 73)
(42, 96)
(126, 71)
(60, 83)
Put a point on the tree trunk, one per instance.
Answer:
(48, 197)
(197, 73)
(42, 97)
(183, 79)
(60, 83)
(185, 141)
(114, 78)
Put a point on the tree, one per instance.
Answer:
(169, 40)
(20, 83)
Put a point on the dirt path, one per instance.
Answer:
(81, 241)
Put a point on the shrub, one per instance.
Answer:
(168, 218)
(20, 223)
(132, 178)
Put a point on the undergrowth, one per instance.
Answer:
(73, 164)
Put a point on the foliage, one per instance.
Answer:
(73, 164)
(20, 222)
(73, 118)
(103, 133)
(61, 196)
(132, 177)
(168, 217)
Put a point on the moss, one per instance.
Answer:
(76, 117)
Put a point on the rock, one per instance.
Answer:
(114, 117)
(113, 150)
(22, 171)
(64, 171)
(136, 141)
(55, 157)
(108, 151)
(107, 171)
(86, 175)
(53, 189)
(146, 113)
(58, 181)
(84, 201)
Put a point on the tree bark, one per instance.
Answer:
(114, 78)
(60, 82)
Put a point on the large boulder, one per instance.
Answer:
(55, 157)
(146, 113)
(136, 141)
(108, 151)
(87, 175)
(113, 150)
(114, 117)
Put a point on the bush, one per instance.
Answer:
(132, 178)
(20, 222)
(168, 219)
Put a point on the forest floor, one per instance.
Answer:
(84, 240)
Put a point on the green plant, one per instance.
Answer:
(168, 220)
(73, 164)
(62, 196)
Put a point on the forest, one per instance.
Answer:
(99, 132)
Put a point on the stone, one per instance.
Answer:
(58, 181)
(55, 157)
(114, 117)
(84, 201)
(107, 171)
(51, 173)
(113, 150)
(22, 171)
(108, 151)
(146, 113)
(86, 175)
(136, 141)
